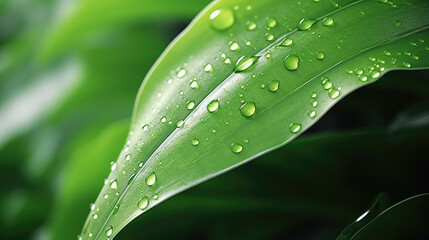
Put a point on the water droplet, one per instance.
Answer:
(213, 106)
(90, 234)
(114, 184)
(222, 18)
(179, 123)
(406, 64)
(95, 216)
(415, 57)
(320, 55)
(334, 93)
(181, 72)
(234, 46)
(140, 164)
(248, 109)
(155, 196)
(92, 206)
(245, 62)
(143, 203)
(127, 157)
(311, 113)
(286, 42)
(387, 53)
(109, 231)
(328, 21)
(273, 85)
(271, 22)
(150, 180)
(398, 23)
(294, 127)
(113, 167)
(268, 55)
(195, 141)
(306, 24)
(194, 84)
(227, 61)
(251, 25)
(291, 62)
(269, 37)
(190, 105)
(314, 103)
(363, 78)
(326, 83)
(163, 119)
(145, 127)
(208, 67)
(375, 74)
(236, 148)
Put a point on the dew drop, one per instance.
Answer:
(375, 74)
(155, 196)
(363, 78)
(180, 123)
(294, 127)
(271, 22)
(306, 24)
(114, 184)
(208, 67)
(314, 103)
(194, 84)
(269, 37)
(273, 85)
(109, 231)
(195, 142)
(127, 157)
(213, 106)
(190, 105)
(320, 55)
(113, 167)
(163, 119)
(286, 42)
(181, 72)
(222, 18)
(326, 83)
(311, 113)
(95, 216)
(251, 25)
(245, 62)
(406, 64)
(145, 127)
(334, 93)
(328, 21)
(236, 148)
(234, 46)
(248, 109)
(291, 62)
(143, 203)
(150, 180)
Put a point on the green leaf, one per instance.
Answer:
(196, 117)
(404, 220)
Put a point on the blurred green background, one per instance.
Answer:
(69, 74)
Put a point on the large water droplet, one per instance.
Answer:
(127, 157)
(195, 142)
(273, 85)
(150, 180)
(248, 109)
(109, 231)
(222, 18)
(236, 148)
(306, 24)
(320, 55)
(291, 62)
(245, 62)
(294, 127)
(213, 106)
(114, 184)
(143, 203)
(328, 21)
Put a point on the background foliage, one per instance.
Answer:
(66, 94)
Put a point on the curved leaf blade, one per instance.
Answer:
(213, 140)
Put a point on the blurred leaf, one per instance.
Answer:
(215, 136)
(405, 220)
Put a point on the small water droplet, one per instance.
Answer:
(334, 93)
(363, 78)
(140, 164)
(294, 127)
(269, 37)
(245, 62)
(311, 113)
(251, 25)
(387, 53)
(208, 67)
(328, 21)
(155, 196)
(234, 46)
(267, 55)
(306, 24)
(222, 18)
(113, 167)
(150, 180)
(163, 119)
(248, 109)
(213, 106)
(95, 216)
(326, 83)
(114, 184)
(143, 203)
(181, 72)
(271, 22)
(109, 231)
(406, 64)
(92, 206)
(320, 55)
(273, 85)
(190, 105)
(179, 123)
(127, 157)
(314, 103)
(194, 84)
(286, 42)
(236, 148)
(195, 141)
(227, 61)
(145, 127)
(291, 62)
